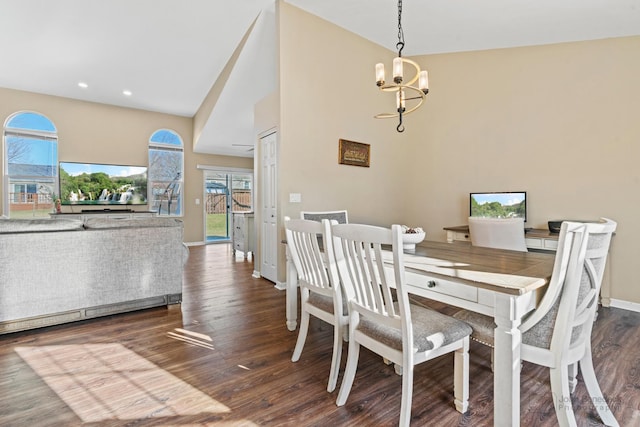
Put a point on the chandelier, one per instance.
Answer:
(408, 97)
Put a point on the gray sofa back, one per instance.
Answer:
(55, 266)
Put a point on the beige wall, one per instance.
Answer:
(328, 92)
(91, 132)
(557, 121)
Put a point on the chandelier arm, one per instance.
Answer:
(421, 98)
(417, 70)
(414, 108)
(394, 115)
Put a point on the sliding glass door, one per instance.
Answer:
(225, 193)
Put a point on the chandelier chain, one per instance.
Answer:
(400, 44)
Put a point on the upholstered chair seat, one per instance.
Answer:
(325, 303)
(431, 330)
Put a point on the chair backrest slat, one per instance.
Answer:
(364, 274)
(306, 254)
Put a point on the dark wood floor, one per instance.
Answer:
(223, 358)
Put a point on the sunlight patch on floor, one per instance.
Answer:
(108, 381)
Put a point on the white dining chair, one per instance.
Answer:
(320, 294)
(558, 333)
(341, 216)
(499, 233)
(400, 332)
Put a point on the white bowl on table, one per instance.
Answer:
(409, 240)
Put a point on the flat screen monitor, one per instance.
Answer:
(502, 204)
(102, 184)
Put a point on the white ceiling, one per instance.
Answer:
(169, 53)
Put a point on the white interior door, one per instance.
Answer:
(269, 226)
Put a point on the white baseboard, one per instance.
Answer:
(281, 286)
(256, 274)
(626, 305)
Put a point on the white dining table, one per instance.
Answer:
(503, 284)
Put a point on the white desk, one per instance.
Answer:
(503, 284)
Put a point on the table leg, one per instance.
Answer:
(506, 376)
(292, 294)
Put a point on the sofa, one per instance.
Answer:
(54, 271)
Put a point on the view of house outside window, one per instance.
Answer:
(166, 173)
(31, 156)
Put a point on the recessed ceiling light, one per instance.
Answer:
(127, 92)
(83, 85)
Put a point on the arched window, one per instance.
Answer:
(166, 172)
(31, 165)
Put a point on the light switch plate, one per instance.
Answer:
(295, 198)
